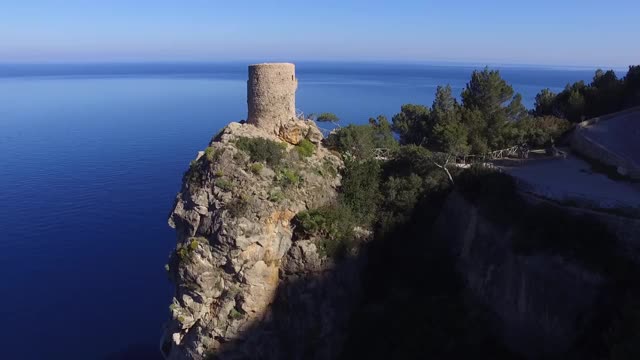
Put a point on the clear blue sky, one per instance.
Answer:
(558, 32)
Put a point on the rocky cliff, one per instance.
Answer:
(237, 267)
(539, 301)
(551, 301)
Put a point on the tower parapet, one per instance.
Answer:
(271, 94)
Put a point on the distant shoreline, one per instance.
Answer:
(241, 64)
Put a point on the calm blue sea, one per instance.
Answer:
(91, 157)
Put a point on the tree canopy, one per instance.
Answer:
(489, 115)
(580, 101)
(327, 117)
(485, 120)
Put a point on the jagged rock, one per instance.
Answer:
(292, 131)
(303, 257)
(235, 239)
(313, 133)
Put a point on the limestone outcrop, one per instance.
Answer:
(541, 303)
(236, 257)
(245, 287)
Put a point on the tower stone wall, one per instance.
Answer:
(271, 94)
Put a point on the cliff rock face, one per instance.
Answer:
(539, 302)
(237, 269)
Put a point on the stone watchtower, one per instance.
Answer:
(271, 94)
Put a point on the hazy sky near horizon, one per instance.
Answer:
(545, 32)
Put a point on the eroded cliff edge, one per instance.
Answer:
(556, 282)
(235, 248)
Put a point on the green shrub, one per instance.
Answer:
(276, 196)
(288, 177)
(541, 130)
(402, 193)
(356, 140)
(332, 248)
(256, 168)
(360, 189)
(332, 226)
(327, 117)
(235, 314)
(360, 141)
(408, 180)
(328, 168)
(223, 184)
(196, 174)
(305, 148)
(212, 154)
(262, 150)
(184, 250)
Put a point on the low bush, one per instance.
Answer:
(196, 174)
(287, 178)
(354, 140)
(276, 196)
(262, 150)
(305, 148)
(185, 250)
(328, 168)
(327, 117)
(256, 168)
(212, 154)
(539, 131)
(223, 184)
(332, 227)
(235, 314)
(360, 188)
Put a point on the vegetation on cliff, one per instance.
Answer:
(398, 199)
(417, 294)
(414, 302)
(378, 195)
(262, 150)
(489, 117)
(233, 221)
(580, 101)
(579, 239)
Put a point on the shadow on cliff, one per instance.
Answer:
(400, 297)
